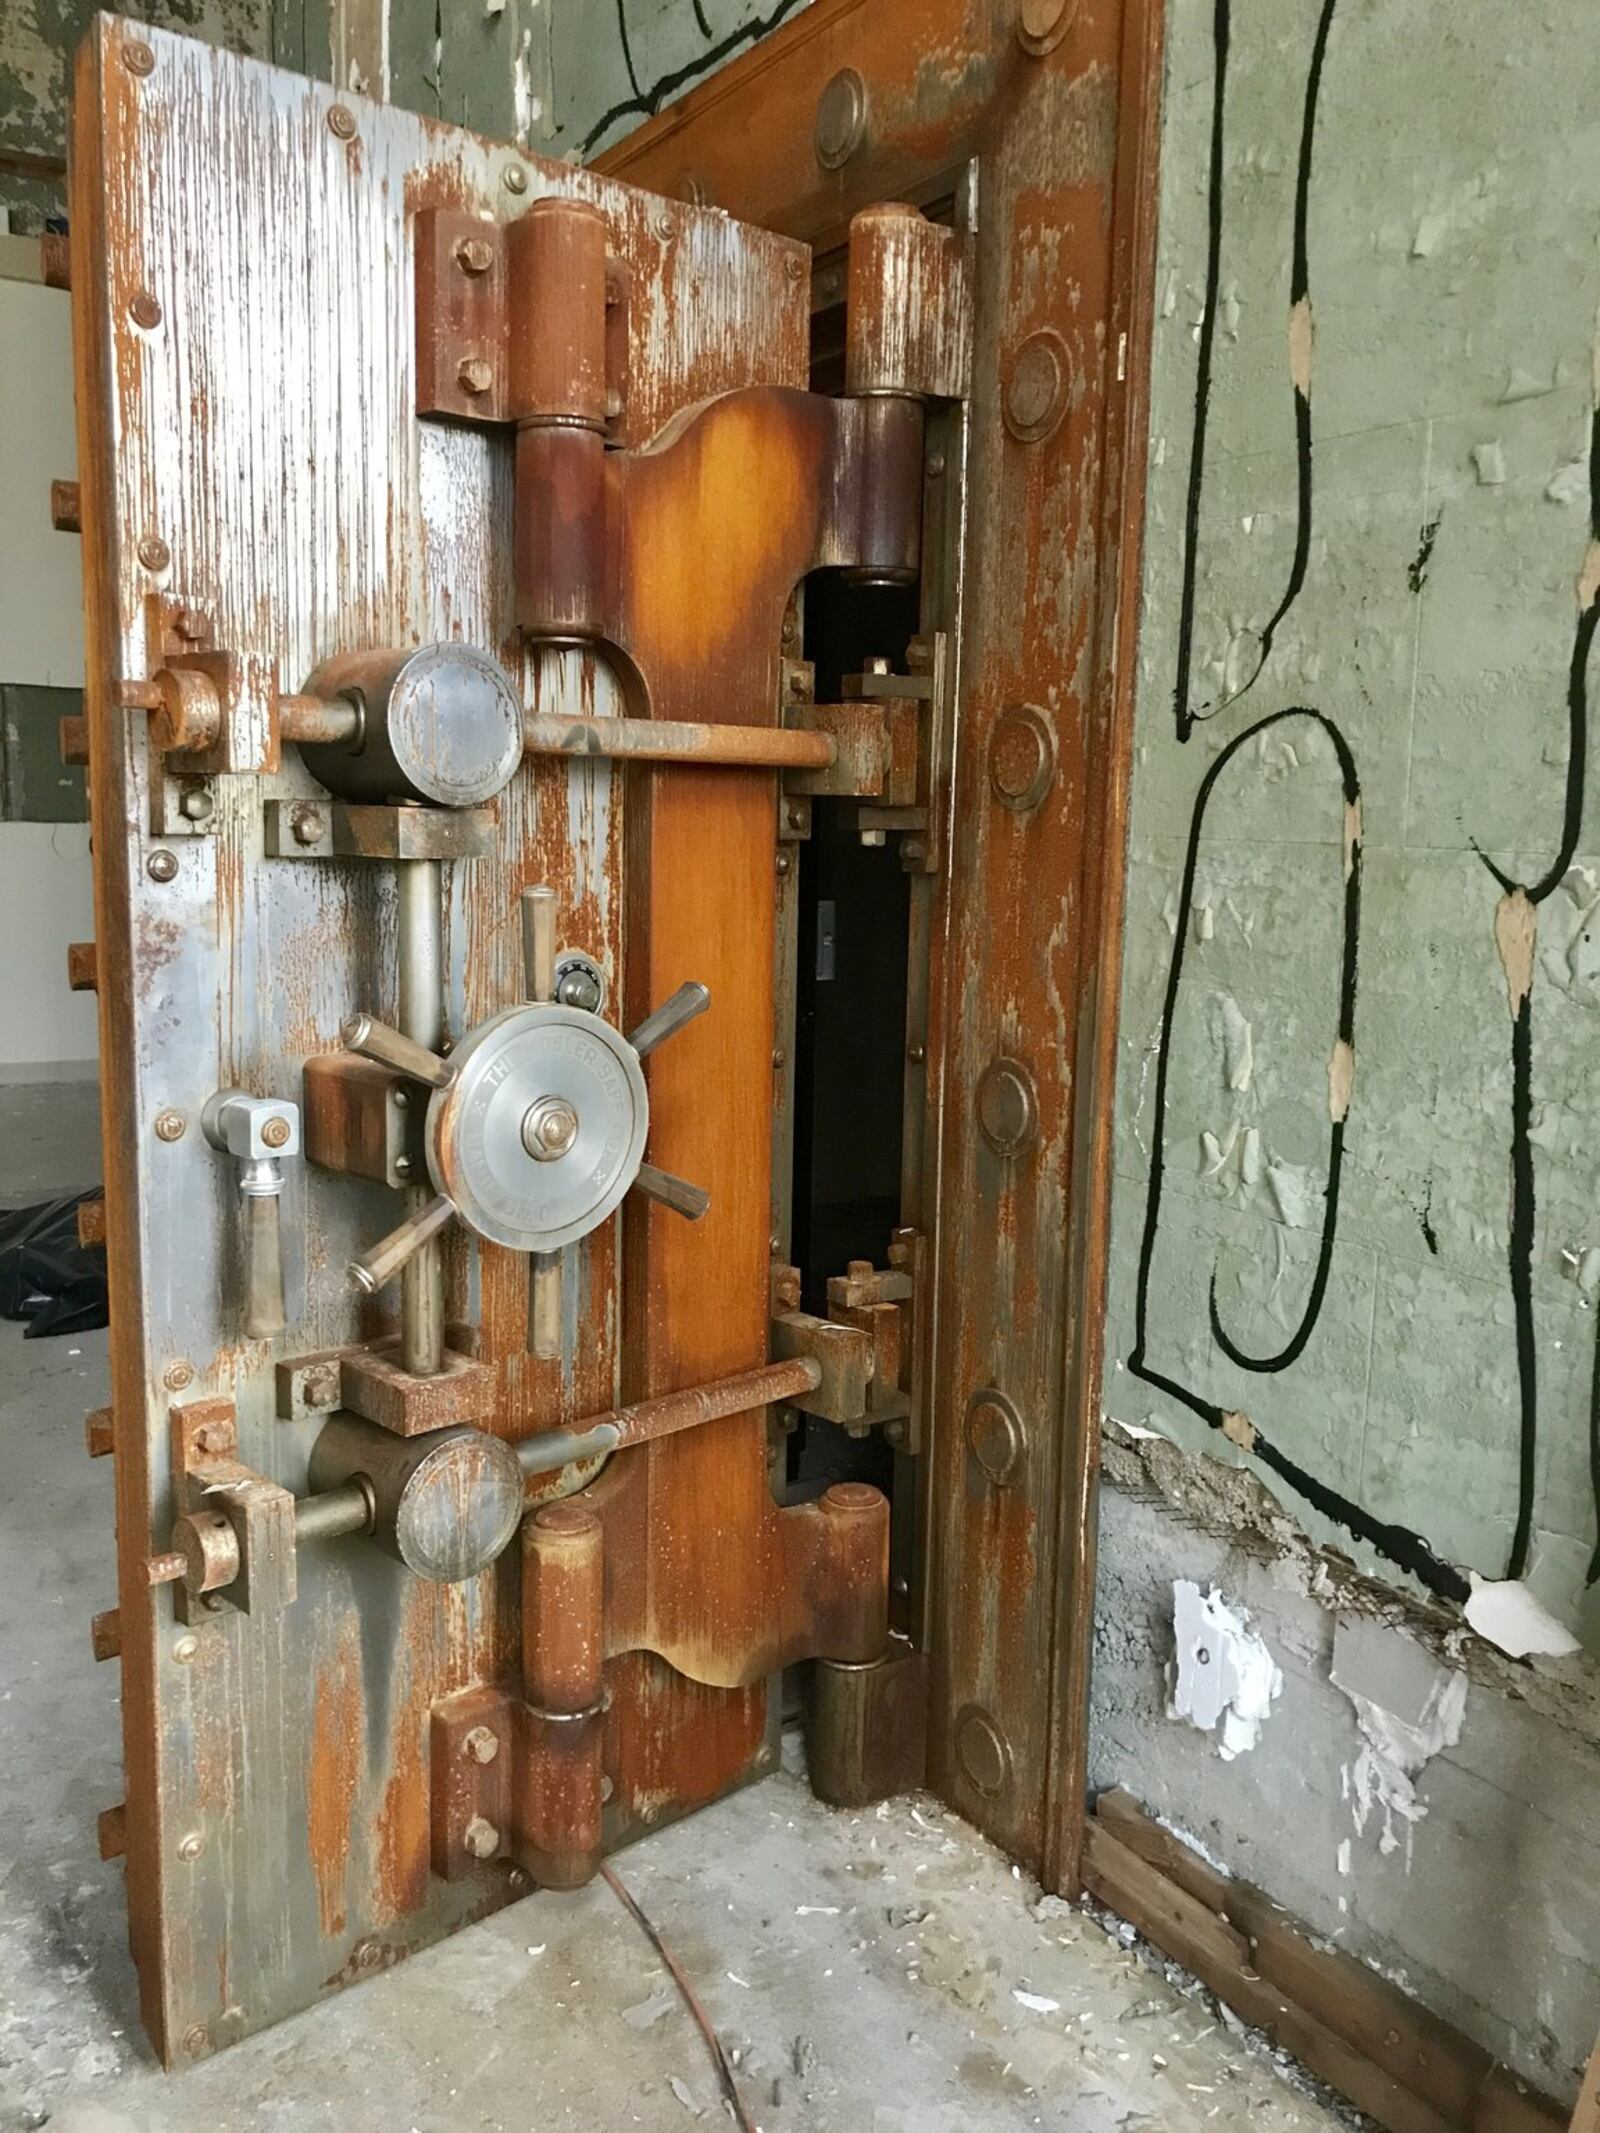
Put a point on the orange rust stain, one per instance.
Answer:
(403, 1824)
(336, 1737)
(710, 523)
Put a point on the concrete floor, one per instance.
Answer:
(863, 1970)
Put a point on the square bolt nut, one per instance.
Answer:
(252, 1127)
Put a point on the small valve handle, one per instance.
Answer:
(258, 1132)
(264, 1314)
(539, 943)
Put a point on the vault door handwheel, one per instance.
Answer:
(536, 1124)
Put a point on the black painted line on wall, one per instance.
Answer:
(1399, 1544)
(1182, 715)
(645, 103)
(1299, 292)
(1522, 1232)
(1346, 1035)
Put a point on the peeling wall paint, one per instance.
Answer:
(1418, 1798)
(1362, 831)
(1223, 1677)
(1409, 1706)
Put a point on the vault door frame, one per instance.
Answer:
(1041, 117)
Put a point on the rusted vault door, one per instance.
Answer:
(441, 509)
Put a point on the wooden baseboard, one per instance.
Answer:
(1385, 2053)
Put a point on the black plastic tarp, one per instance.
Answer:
(48, 1279)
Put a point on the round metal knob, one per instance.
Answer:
(439, 724)
(549, 1128)
(542, 1129)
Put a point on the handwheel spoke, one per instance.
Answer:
(666, 1020)
(372, 1039)
(385, 1259)
(690, 1201)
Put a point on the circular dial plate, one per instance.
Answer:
(454, 725)
(475, 1148)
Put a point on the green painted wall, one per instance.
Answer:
(565, 77)
(1441, 487)
(39, 37)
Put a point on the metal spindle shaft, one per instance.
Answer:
(544, 1305)
(346, 1509)
(322, 720)
(666, 1020)
(421, 959)
(373, 1039)
(539, 943)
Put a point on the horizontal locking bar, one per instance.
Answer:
(673, 1411)
(661, 740)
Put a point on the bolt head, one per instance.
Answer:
(196, 804)
(549, 1128)
(1041, 24)
(275, 1132)
(481, 1838)
(342, 123)
(154, 553)
(516, 1880)
(307, 824)
(162, 865)
(366, 1954)
(170, 1126)
(474, 255)
(321, 1387)
(138, 58)
(177, 1375)
(841, 122)
(579, 987)
(482, 1744)
(194, 2042)
(514, 178)
(185, 1649)
(475, 375)
(144, 310)
(191, 1844)
(663, 224)
(1037, 389)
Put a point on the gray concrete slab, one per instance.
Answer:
(863, 1968)
(49, 1138)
